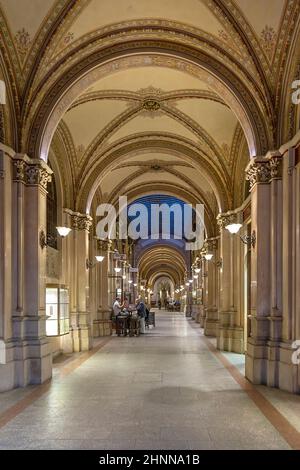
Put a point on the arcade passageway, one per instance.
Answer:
(165, 390)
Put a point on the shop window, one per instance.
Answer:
(57, 311)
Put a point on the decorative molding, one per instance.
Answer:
(31, 172)
(225, 219)
(211, 244)
(264, 170)
(80, 221)
(258, 171)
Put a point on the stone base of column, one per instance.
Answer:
(188, 310)
(271, 364)
(256, 361)
(24, 363)
(80, 339)
(202, 316)
(211, 322)
(195, 311)
(102, 328)
(230, 338)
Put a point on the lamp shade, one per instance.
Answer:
(99, 259)
(63, 231)
(233, 228)
(208, 256)
(197, 270)
(117, 270)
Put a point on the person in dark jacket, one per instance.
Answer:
(141, 311)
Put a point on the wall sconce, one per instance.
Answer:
(117, 270)
(197, 270)
(233, 228)
(90, 264)
(208, 256)
(62, 232)
(249, 239)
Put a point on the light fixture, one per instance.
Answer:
(197, 270)
(233, 228)
(187, 284)
(208, 256)
(90, 264)
(63, 231)
(190, 281)
(124, 276)
(135, 285)
(44, 238)
(195, 276)
(249, 239)
(117, 270)
(130, 282)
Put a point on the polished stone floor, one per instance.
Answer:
(163, 390)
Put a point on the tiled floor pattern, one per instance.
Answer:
(164, 390)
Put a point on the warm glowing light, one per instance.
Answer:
(197, 270)
(130, 282)
(195, 276)
(63, 231)
(135, 285)
(117, 270)
(190, 281)
(124, 276)
(99, 259)
(187, 283)
(233, 228)
(208, 256)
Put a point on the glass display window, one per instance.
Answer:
(57, 310)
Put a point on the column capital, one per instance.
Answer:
(224, 219)
(258, 171)
(31, 172)
(211, 243)
(261, 170)
(79, 221)
(104, 245)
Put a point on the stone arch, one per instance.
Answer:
(66, 89)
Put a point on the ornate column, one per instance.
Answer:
(203, 281)
(102, 324)
(7, 346)
(80, 309)
(258, 173)
(289, 373)
(35, 364)
(230, 332)
(211, 310)
(276, 221)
